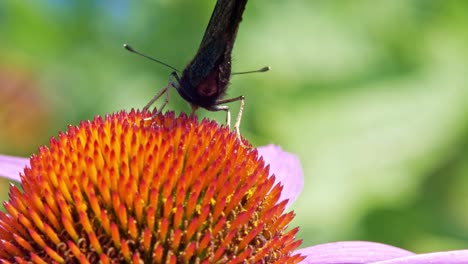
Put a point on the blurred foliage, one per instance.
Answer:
(371, 95)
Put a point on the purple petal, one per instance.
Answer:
(287, 169)
(447, 257)
(10, 167)
(351, 252)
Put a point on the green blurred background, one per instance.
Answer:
(371, 95)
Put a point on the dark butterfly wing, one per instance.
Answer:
(224, 21)
(207, 76)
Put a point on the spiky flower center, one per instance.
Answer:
(133, 189)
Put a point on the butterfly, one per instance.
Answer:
(204, 81)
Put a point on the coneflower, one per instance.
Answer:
(128, 189)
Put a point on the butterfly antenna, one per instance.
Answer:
(264, 69)
(127, 47)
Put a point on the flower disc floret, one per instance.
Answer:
(137, 188)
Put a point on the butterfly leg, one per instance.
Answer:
(156, 97)
(164, 91)
(218, 107)
(224, 108)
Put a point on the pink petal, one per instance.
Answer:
(447, 257)
(287, 169)
(351, 252)
(10, 167)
